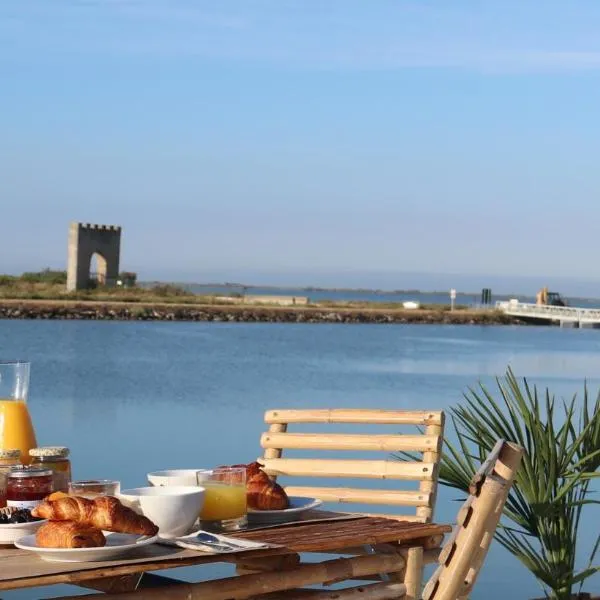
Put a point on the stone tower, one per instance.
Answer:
(85, 240)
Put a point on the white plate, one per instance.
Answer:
(298, 506)
(117, 545)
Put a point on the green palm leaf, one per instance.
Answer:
(544, 508)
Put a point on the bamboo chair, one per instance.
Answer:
(425, 471)
(463, 553)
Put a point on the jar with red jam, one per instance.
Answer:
(9, 459)
(28, 486)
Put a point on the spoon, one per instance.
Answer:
(208, 538)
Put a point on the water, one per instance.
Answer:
(129, 397)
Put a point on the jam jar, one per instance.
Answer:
(55, 458)
(28, 486)
(8, 460)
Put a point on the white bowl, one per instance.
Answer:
(173, 509)
(175, 477)
(10, 532)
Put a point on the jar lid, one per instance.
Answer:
(50, 451)
(24, 472)
(4, 454)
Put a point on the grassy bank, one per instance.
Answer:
(36, 286)
(43, 295)
(173, 311)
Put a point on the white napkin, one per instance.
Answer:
(190, 542)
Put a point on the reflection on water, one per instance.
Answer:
(579, 365)
(129, 398)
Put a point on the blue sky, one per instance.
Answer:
(337, 142)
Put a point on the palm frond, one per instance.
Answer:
(551, 489)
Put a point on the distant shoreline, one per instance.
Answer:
(139, 311)
(241, 287)
(312, 288)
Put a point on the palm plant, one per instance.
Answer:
(552, 488)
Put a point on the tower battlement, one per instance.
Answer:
(95, 227)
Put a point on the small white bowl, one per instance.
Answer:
(175, 477)
(173, 509)
(11, 532)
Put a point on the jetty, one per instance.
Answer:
(564, 316)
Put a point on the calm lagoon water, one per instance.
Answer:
(129, 398)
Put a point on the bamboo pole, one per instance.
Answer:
(413, 572)
(375, 591)
(360, 495)
(449, 581)
(275, 429)
(343, 415)
(465, 511)
(433, 456)
(368, 469)
(244, 565)
(342, 441)
(248, 586)
(431, 557)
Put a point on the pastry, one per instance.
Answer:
(56, 496)
(103, 512)
(264, 494)
(67, 534)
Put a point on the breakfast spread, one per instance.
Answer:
(40, 507)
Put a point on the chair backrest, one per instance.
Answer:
(426, 443)
(463, 554)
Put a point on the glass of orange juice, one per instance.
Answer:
(225, 507)
(16, 428)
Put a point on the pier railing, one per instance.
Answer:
(551, 313)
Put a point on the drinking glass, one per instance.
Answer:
(225, 507)
(92, 488)
(16, 428)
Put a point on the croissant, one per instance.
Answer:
(56, 496)
(264, 494)
(251, 469)
(67, 534)
(103, 512)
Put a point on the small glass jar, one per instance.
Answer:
(28, 486)
(56, 459)
(8, 460)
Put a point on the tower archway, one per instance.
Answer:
(97, 271)
(94, 253)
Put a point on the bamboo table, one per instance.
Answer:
(382, 545)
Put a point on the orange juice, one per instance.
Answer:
(223, 501)
(16, 429)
